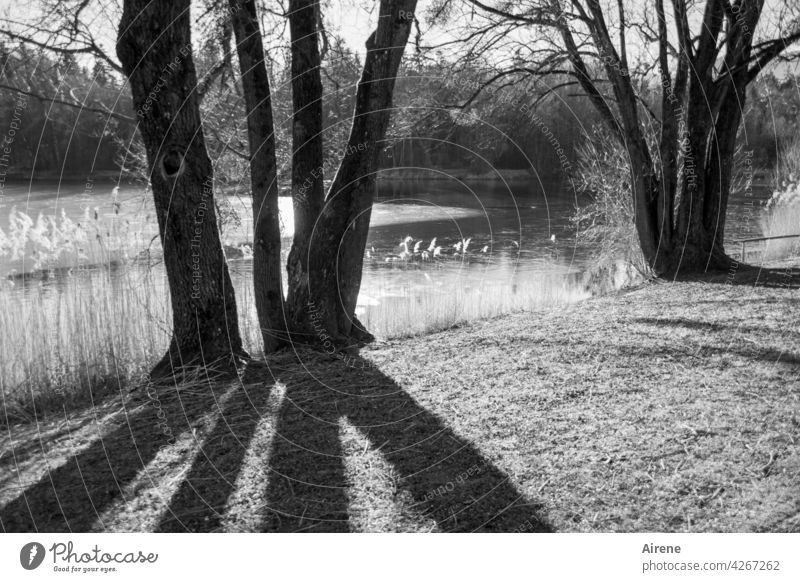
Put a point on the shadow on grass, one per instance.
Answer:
(34, 441)
(709, 326)
(448, 479)
(763, 354)
(72, 496)
(751, 275)
(199, 503)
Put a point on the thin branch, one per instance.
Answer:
(102, 111)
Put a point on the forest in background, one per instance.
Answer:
(79, 120)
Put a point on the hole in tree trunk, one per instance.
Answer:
(172, 164)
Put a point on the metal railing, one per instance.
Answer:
(743, 242)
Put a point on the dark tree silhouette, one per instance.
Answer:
(307, 485)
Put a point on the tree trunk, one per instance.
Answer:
(729, 103)
(308, 191)
(719, 170)
(653, 234)
(714, 113)
(336, 247)
(691, 244)
(154, 47)
(268, 289)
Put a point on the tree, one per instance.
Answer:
(326, 257)
(267, 286)
(308, 191)
(336, 234)
(681, 178)
(154, 47)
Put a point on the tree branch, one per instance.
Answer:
(101, 111)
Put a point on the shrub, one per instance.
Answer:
(781, 214)
(605, 218)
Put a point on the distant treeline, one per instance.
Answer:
(77, 121)
(53, 138)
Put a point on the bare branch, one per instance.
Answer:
(102, 110)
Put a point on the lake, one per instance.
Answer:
(522, 251)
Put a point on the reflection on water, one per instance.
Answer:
(522, 249)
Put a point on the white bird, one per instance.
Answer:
(437, 251)
(552, 238)
(416, 247)
(432, 245)
(404, 244)
(426, 256)
(466, 243)
(485, 249)
(457, 246)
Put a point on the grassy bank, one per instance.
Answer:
(673, 406)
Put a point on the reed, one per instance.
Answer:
(75, 340)
(781, 216)
(411, 310)
(94, 316)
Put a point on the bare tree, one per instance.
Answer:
(680, 179)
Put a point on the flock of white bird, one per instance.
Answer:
(407, 252)
(434, 251)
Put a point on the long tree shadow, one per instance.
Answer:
(199, 503)
(17, 451)
(449, 480)
(72, 496)
(445, 477)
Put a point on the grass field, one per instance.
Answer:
(669, 407)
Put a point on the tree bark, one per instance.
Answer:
(154, 47)
(308, 191)
(267, 285)
(729, 101)
(338, 239)
(714, 108)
